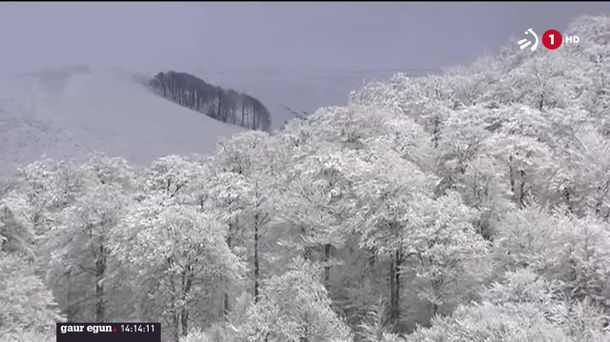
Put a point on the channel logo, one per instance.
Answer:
(523, 43)
(551, 39)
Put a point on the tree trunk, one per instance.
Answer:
(602, 190)
(327, 267)
(217, 114)
(187, 282)
(566, 195)
(70, 311)
(306, 249)
(436, 132)
(392, 289)
(522, 190)
(395, 287)
(252, 117)
(175, 322)
(242, 116)
(372, 257)
(256, 264)
(307, 253)
(510, 174)
(226, 307)
(100, 268)
(397, 281)
(184, 319)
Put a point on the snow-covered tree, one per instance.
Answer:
(182, 251)
(488, 322)
(385, 195)
(315, 205)
(255, 160)
(80, 238)
(565, 247)
(375, 327)
(582, 179)
(16, 228)
(294, 307)
(526, 163)
(28, 307)
(173, 176)
(449, 253)
(483, 188)
(524, 307)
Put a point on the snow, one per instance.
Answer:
(68, 113)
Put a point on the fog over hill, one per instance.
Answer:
(70, 112)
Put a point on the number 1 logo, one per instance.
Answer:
(551, 39)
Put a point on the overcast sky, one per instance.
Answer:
(302, 55)
(270, 36)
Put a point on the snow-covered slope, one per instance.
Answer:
(66, 114)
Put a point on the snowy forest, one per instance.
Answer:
(472, 205)
(224, 105)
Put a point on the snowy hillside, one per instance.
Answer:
(69, 113)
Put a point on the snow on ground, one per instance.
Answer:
(65, 114)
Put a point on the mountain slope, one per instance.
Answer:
(66, 114)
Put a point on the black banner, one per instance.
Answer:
(108, 332)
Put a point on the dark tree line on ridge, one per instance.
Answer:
(226, 105)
